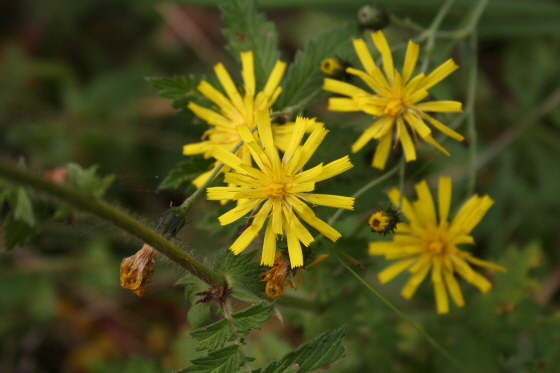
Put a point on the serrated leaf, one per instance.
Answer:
(185, 172)
(180, 89)
(251, 317)
(16, 232)
(304, 76)
(241, 274)
(315, 354)
(226, 360)
(247, 29)
(213, 336)
(24, 208)
(87, 180)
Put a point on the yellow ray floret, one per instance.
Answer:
(395, 101)
(280, 187)
(430, 244)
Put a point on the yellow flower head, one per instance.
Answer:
(429, 243)
(236, 107)
(395, 100)
(280, 188)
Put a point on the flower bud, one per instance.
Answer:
(335, 67)
(373, 17)
(384, 221)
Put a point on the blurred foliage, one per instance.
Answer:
(72, 89)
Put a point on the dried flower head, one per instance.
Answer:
(137, 270)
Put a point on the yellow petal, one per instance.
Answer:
(229, 86)
(424, 205)
(342, 88)
(294, 249)
(480, 282)
(210, 116)
(300, 231)
(454, 288)
(368, 79)
(379, 247)
(414, 281)
(311, 145)
(309, 175)
(271, 88)
(269, 247)
(297, 135)
(430, 140)
(267, 139)
(442, 127)
(227, 158)
(417, 123)
(410, 60)
(436, 269)
(382, 151)
(378, 129)
(277, 222)
(219, 193)
(383, 47)
(462, 268)
(394, 269)
(243, 240)
(197, 148)
(442, 302)
(406, 207)
(343, 104)
(237, 212)
(444, 197)
(406, 141)
(470, 214)
(364, 55)
(440, 106)
(334, 168)
(226, 106)
(248, 73)
(309, 217)
(482, 263)
(339, 202)
(302, 187)
(440, 73)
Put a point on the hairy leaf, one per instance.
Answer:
(304, 76)
(247, 29)
(226, 360)
(180, 89)
(251, 317)
(315, 354)
(24, 208)
(213, 336)
(87, 180)
(242, 274)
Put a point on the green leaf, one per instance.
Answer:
(315, 354)
(251, 317)
(241, 274)
(213, 336)
(185, 173)
(226, 360)
(304, 76)
(24, 208)
(180, 89)
(87, 180)
(16, 232)
(247, 29)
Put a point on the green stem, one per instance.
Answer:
(430, 34)
(229, 317)
(107, 212)
(402, 169)
(470, 111)
(402, 315)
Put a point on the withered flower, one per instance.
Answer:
(137, 270)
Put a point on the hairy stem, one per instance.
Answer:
(110, 214)
(229, 317)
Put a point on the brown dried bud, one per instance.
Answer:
(137, 270)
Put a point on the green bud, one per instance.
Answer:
(373, 17)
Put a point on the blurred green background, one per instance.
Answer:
(72, 89)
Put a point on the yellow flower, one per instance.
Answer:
(395, 100)
(280, 188)
(428, 243)
(239, 106)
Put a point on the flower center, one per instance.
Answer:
(276, 190)
(394, 107)
(437, 245)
